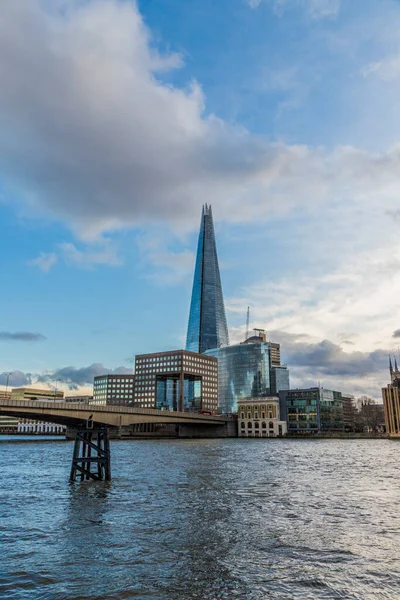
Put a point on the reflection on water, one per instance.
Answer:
(215, 519)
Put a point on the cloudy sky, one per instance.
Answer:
(119, 119)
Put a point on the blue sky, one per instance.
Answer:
(119, 120)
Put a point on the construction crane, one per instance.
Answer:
(247, 323)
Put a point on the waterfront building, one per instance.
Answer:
(40, 395)
(115, 390)
(177, 380)
(279, 378)
(207, 327)
(349, 412)
(7, 424)
(28, 426)
(85, 399)
(312, 410)
(391, 402)
(260, 417)
(28, 393)
(246, 370)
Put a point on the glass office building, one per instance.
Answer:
(177, 380)
(207, 327)
(312, 410)
(279, 379)
(243, 372)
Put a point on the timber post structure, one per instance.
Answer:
(92, 447)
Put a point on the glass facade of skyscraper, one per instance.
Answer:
(243, 372)
(207, 327)
(279, 379)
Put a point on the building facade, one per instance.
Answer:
(260, 417)
(207, 327)
(246, 370)
(312, 410)
(115, 390)
(40, 395)
(27, 426)
(7, 424)
(177, 380)
(391, 402)
(349, 412)
(86, 399)
(27, 393)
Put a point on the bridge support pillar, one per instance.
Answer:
(91, 449)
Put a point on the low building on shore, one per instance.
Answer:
(312, 410)
(7, 424)
(260, 417)
(28, 426)
(391, 402)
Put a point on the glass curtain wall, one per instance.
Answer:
(207, 327)
(243, 372)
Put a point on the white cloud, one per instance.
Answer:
(113, 146)
(387, 70)
(316, 9)
(44, 261)
(101, 253)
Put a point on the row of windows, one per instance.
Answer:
(257, 425)
(249, 415)
(106, 380)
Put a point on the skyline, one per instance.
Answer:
(289, 127)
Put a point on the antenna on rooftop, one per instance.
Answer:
(247, 323)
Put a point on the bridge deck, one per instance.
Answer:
(68, 413)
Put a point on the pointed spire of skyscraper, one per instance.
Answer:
(396, 369)
(390, 366)
(207, 326)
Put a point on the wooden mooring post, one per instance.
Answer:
(92, 448)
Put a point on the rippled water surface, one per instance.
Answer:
(207, 519)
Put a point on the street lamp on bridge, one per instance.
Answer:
(7, 378)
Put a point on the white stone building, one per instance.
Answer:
(260, 417)
(29, 426)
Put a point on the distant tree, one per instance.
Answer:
(369, 415)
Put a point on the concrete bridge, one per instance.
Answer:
(92, 423)
(72, 415)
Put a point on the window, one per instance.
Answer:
(264, 425)
(249, 426)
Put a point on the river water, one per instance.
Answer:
(205, 519)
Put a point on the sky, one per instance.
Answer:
(119, 119)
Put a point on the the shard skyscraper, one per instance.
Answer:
(207, 326)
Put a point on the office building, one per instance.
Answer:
(116, 390)
(391, 402)
(207, 327)
(246, 371)
(85, 399)
(27, 393)
(312, 410)
(349, 412)
(279, 377)
(178, 380)
(260, 417)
